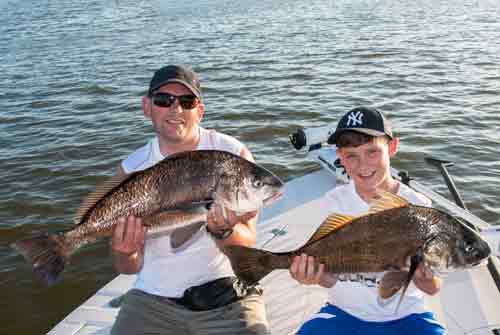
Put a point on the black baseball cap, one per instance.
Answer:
(176, 74)
(364, 120)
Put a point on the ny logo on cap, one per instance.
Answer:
(354, 119)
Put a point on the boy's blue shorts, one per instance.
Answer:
(335, 321)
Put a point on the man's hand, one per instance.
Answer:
(217, 221)
(128, 236)
(127, 245)
(240, 230)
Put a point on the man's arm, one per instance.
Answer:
(243, 227)
(127, 242)
(127, 245)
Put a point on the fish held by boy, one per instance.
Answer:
(172, 197)
(393, 238)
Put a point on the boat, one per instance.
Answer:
(468, 303)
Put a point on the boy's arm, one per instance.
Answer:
(424, 279)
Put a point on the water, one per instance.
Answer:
(72, 74)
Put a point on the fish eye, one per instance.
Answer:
(257, 183)
(469, 248)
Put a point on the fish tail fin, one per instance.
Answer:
(48, 253)
(249, 264)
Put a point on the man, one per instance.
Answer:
(365, 145)
(193, 290)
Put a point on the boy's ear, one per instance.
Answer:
(146, 106)
(340, 155)
(393, 146)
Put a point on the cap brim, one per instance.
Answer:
(371, 132)
(178, 81)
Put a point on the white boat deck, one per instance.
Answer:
(469, 302)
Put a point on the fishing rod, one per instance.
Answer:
(442, 165)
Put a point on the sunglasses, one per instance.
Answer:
(162, 99)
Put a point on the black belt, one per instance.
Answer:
(216, 293)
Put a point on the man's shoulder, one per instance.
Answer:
(141, 151)
(137, 158)
(224, 137)
(218, 140)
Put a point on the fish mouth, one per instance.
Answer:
(481, 263)
(268, 201)
(475, 265)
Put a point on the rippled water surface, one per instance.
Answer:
(72, 74)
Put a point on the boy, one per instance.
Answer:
(365, 144)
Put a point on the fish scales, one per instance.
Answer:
(393, 237)
(143, 194)
(171, 197)
(359, 243)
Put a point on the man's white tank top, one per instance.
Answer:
(166, 273)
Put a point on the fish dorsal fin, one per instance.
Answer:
(386, 200)
(100, 191)
(331, 223)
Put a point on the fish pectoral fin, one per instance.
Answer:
(181, 238)
(331, 223)
(386, 200)
(194, 212)
(391, 283)
(203, 206)
(415, 261)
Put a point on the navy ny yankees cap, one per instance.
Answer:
(364, 120)
(176, 74)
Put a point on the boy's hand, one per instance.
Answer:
(426, 281)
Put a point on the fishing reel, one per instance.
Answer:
(319, 150)
(311, 137)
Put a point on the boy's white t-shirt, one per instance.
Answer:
(166, 273)
(358, 294)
